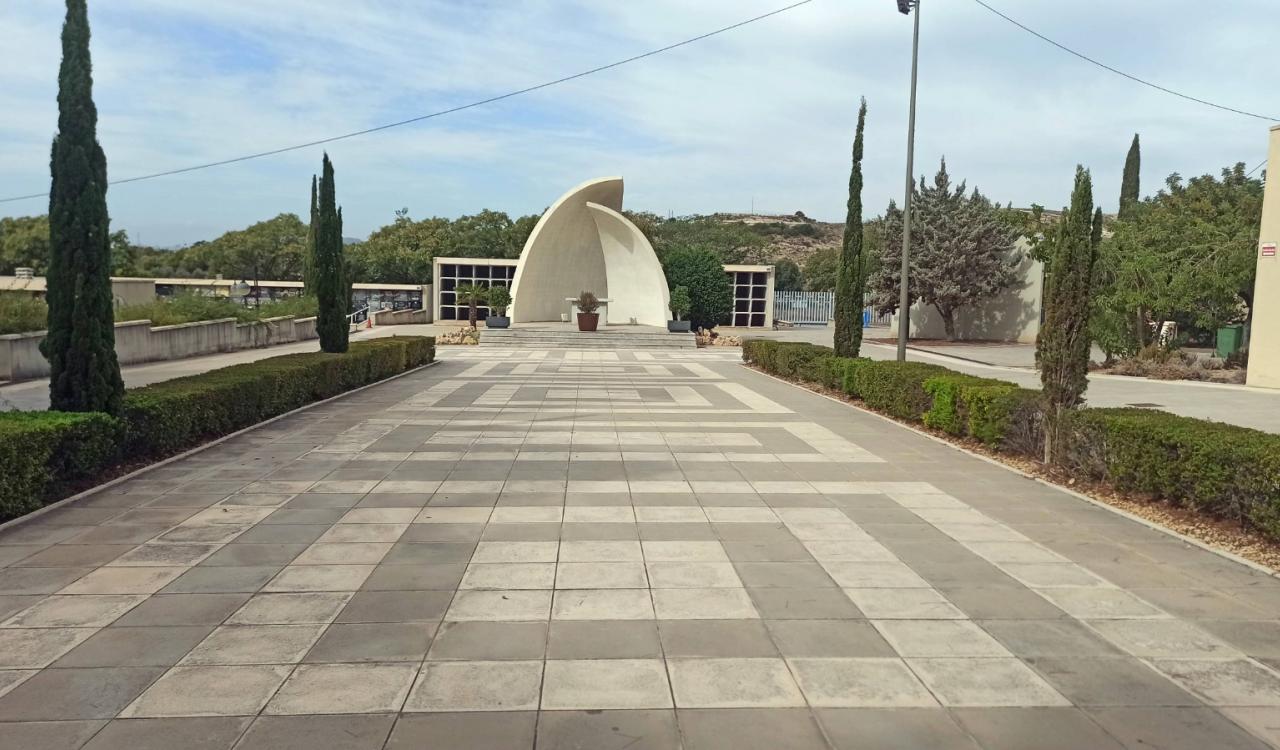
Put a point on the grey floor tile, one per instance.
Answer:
(340, 732)
(803, 604)
(416, 577)
(603, 639)
(893, 729)
(240, 579)
(750, 729)
(1041, 728)
(198, 733)
(1110, 681)
(1058, 637)
(608, 730)
(396, 606)
(481, 641)
(253, 555)
(135, 647)
(464, 731)
(848, 638)
(792, 575)
(372, 642)
(67, 694)
(170, 610)
(1174, 729)
(716, 638)
(62, 735)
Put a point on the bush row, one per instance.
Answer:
(1223, 470)
(44, 454)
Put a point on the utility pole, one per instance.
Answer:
(904, 300)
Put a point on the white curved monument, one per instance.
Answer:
(583, 243)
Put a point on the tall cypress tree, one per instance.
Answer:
(309, 255)
(851, 279)
(1062, 348)
(329, 267)
(81, 342)
(1129, 191)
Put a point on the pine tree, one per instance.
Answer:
(851, 280)
(80, 344)
(329, 267)
(962, 251)
(1062, 349)
(1129, 191)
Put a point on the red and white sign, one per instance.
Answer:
(1268, 249)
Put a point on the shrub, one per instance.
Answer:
(41, 453)
(190, 308)
(794, 360)
(499, 300)
(175, 414)
(702, 273)
(949, 410)
(760, 352)
(680, 303)
(1227, 471)
(895, 388)
(1005, 416)
(22, 313)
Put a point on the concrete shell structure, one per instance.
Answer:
(582, 243)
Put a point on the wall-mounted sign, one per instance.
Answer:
(1268, 249)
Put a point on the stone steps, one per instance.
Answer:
(515, 338)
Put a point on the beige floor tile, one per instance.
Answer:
(733, 683)
(344, 689)
(595, 684)
(477, 686)
(209, 691)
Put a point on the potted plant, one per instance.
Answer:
(499, 300)
(471, 295)
(587, 305)
(680, 305)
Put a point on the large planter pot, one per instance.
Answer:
(679, 326)
(588, 321)
(497, 321)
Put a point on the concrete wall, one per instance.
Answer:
(637, 285)
(137, 341)
(400, 317)
(1264, 339)
(562, 256)
(133, 291)
(1013, 315)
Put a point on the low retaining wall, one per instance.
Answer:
(137, 341)
(400, 317)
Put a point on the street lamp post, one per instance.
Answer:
(904, 300)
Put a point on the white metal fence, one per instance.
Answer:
(817, 308)
(804, 308)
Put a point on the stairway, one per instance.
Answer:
(614, 337)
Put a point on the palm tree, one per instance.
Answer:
(472, 296)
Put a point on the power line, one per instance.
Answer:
(1118, 72)
(1255, 169)
(441, 113)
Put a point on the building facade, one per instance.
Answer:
(583, 242)
(1264, 336)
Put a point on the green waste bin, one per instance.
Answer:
(1229, 340)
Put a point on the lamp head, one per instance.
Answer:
(904, 6)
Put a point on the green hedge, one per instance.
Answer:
(175, 414)
(1227, 471)
(1223, 470)
(42, 454)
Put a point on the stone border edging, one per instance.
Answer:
(1074, 493)
(21, 520)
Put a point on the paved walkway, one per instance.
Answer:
(616, 550)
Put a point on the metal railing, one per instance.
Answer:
(358, 318)
(818, 308)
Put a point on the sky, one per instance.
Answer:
(761, 116)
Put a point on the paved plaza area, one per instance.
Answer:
(599, 550)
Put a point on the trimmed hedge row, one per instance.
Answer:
(44, 454)
(1223, 470)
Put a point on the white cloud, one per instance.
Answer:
(764, 112)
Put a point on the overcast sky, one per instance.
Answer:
(764, 113)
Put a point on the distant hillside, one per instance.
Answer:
(792, 237)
